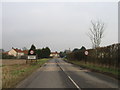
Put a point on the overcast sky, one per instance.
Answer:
(58, 25)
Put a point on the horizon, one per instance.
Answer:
(58, 51)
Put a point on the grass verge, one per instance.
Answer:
(97, 68)
(13, 74)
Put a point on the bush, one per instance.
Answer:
(105, 56)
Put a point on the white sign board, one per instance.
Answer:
(86, 52)
(32, 57)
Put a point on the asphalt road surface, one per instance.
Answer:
(57, 73)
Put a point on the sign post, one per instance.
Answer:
(86, 54)
(32, 55)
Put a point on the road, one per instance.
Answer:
(57, 73)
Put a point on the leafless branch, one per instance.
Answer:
(96, 33)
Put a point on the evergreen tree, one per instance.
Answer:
(44, 52)
(32, 48)
(83, 48)
(47, 51)
(39, 53)
(76, 49)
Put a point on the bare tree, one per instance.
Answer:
(96, 33)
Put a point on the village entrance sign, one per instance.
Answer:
(32, 55)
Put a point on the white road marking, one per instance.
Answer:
(70, 78)
(74, 82)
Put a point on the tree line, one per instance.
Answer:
(41, 53)
(77, 54)
(105, 56)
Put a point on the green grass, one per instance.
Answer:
(37, 64)
(95, 67)
(13, 74)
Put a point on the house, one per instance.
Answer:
(17, 52)
(25, 52)
(54, 54)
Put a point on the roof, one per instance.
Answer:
(18, 50)
(25, 51)
(21, 51)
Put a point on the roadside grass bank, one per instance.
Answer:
(97, 68)
(13, 74)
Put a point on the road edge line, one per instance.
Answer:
(70, 78)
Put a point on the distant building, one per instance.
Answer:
(17, 52)
(54, 54)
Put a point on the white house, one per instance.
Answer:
(17, 52)
(54, 54)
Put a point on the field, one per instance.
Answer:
(14, 71)
(13, 61)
